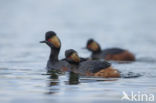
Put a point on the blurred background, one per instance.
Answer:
(129, 24)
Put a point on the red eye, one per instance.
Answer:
(49, 40)
(70, 57)
(89, 46)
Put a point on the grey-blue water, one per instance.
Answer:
(128, 24)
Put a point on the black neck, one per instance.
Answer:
(54, 54)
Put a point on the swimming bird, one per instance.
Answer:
(116, 54)
(94, 68)
(52, 40)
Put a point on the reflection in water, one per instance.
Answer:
(53, 74)
(53, 81)
(130, 75)
(96, 79)
(73, 78)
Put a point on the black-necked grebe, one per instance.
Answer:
(54, 43)
(90, 67)
(115, 54)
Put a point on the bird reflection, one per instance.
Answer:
(73, 78)
(53, 81)
(53, 74)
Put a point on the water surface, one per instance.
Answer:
(128, 24)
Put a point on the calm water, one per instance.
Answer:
(128, 24)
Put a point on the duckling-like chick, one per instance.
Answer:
(52, 40)
(91, 67)
(115, 54)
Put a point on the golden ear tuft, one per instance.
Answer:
(94, 46)
(75, 57)
(55, 41)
